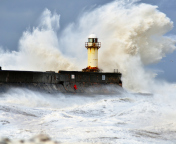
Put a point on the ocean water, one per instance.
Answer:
(122, 117)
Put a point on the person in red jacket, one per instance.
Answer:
(75, 87)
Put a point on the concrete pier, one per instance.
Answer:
(63, 81)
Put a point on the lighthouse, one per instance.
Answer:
(92, 53)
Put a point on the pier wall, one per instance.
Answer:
(63, 81)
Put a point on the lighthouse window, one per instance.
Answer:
(95, 40)
(90, 40)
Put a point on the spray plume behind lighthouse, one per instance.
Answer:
(92, 50)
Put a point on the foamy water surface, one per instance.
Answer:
(118, 118)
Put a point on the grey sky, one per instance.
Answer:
(17, 15)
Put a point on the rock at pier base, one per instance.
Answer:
(40, 139)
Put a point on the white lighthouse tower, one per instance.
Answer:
(92, 50)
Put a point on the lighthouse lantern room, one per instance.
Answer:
(92, 50)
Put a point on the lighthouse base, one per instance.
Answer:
(91, 69)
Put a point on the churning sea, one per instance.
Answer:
(121, 118)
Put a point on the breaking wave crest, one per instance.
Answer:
(38, 49)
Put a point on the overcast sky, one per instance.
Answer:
(18, 15)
